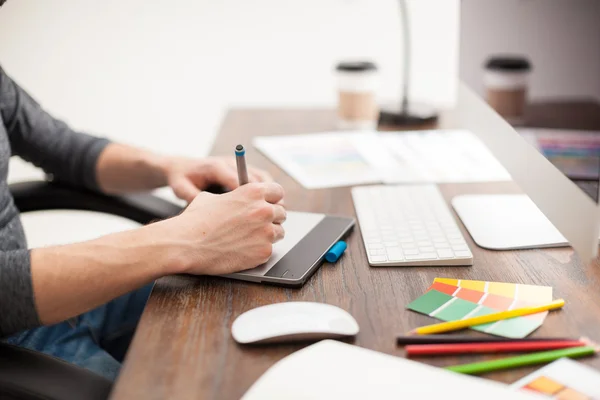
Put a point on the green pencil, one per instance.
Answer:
(521, 361)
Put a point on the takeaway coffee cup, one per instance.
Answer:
(357, 95)
(506, 79)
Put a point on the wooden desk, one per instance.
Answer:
(183, 347)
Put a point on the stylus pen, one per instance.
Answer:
(240, 160)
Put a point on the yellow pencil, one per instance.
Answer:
(484, 319)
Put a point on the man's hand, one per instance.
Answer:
(123, 168)
(222, 234)
(216, 234)
(188, 176)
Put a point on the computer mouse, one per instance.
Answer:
(292, 322)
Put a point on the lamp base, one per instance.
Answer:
(415, 115)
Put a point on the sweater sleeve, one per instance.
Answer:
(47, 142)
(17, 304)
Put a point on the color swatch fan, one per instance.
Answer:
(452, 300)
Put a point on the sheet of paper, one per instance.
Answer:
(342, 158)
(452, 300)
(563, 379)
(335, 370)
(323, 160)
(440, 156)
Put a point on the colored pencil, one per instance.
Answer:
(506, 347)
(441, 339)
(524, 360)
(484, 319)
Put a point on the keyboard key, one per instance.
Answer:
(374, 246)
(409, 245)
(445, 253)
(424, 243)
(460, 247)
(377, 259)
(427, 249)
(462, 253)
(410, 252)
(394, 254)
(422, 256)
(373, 240)
(377, 252)
(441, 245)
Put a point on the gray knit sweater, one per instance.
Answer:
(27, 131)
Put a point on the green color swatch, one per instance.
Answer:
(429, 302)
(456, 310)
(515, 327)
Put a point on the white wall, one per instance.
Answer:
(161, 73)
(561, 38)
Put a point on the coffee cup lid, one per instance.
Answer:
(356, 66)
(508, 63)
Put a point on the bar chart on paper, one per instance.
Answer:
(452, 300)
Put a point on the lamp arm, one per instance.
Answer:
(404, 26)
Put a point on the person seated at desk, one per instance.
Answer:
(81, 302)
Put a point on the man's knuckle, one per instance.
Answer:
(266, 252)
(268, 232)
(262, 213)
(255, 191)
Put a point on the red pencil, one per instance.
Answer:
(506, 347)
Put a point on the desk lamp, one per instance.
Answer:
(406, 113)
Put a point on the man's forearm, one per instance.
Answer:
(123, 168)
(69, 280)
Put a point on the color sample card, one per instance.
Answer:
(564, 379)
(531, 293)
(449, 308)
(452, 300)
(494, 301)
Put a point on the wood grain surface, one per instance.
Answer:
(183, 348)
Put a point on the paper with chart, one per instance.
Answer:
(563, 379)
(332, 159)
(324, 160)
(455, 299)
(440, 156)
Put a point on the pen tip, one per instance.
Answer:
(239, 147)
(411, 333)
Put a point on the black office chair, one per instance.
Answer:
(30, 375)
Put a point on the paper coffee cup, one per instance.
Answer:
(506, 80)
(357, 84)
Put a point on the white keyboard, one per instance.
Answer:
(408, 225)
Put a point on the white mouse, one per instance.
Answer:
(293, 321)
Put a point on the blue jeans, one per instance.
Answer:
(96, 340)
